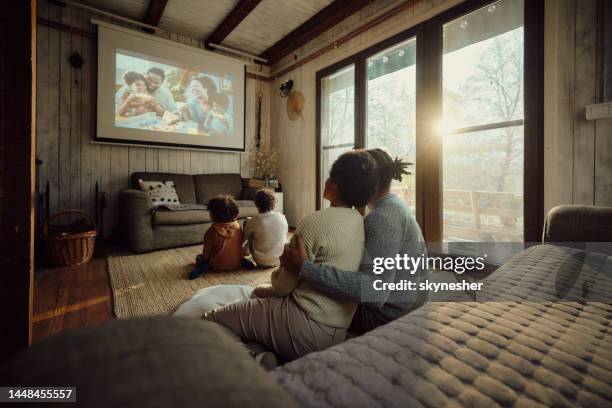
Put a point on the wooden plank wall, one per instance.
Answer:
(66, 124)
(578, 153)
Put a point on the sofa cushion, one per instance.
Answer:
(208, 186)
(167, 217)
(183, 183)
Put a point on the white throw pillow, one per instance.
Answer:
(161, 192)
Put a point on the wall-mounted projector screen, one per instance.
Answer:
(157, 92)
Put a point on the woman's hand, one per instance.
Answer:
(294, 255)
(264, 291)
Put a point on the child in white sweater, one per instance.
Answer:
(266, 233)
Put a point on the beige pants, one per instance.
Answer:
(277, 324)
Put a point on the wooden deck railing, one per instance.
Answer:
(477, 215)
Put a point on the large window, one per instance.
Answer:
(482, 124)
(459, 96)
(391, 109)
(337, 118)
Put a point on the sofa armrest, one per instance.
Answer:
(578, 223)
(135, 214)
(248, 193)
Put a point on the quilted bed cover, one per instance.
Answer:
(538, 335)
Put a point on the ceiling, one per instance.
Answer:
(269, 22)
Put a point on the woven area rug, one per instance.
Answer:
(156, 283)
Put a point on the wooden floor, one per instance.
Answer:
(72, 297)
(68, 298)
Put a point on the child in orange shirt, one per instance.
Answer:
(222, 241)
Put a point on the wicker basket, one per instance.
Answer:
(69, 247)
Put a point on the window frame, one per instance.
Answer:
(428, 172)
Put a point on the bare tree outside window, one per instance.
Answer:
(484, 152)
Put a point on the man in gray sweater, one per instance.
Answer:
(390, 230)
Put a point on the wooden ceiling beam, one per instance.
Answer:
(313, 27)
(231, 21)
(154, 12)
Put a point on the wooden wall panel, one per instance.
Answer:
(255, 88)
(76, 84)
(87, 110)
(560, 26)
(578, 153)
(65, 92)
(603, 163)
(66, 125)
(586, 89)
(50, 136)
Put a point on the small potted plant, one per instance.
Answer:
(266, 165)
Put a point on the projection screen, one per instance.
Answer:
(157, 92)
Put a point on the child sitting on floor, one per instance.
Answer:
(222, 241)
(266, 233)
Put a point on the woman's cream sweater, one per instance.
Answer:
(334, 236)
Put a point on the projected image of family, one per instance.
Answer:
(159, 97)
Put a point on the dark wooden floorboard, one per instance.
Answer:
(90, 316)
(71, 297)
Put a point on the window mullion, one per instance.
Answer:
(361, 103)
(428, 143)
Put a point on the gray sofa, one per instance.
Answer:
(146, 228)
